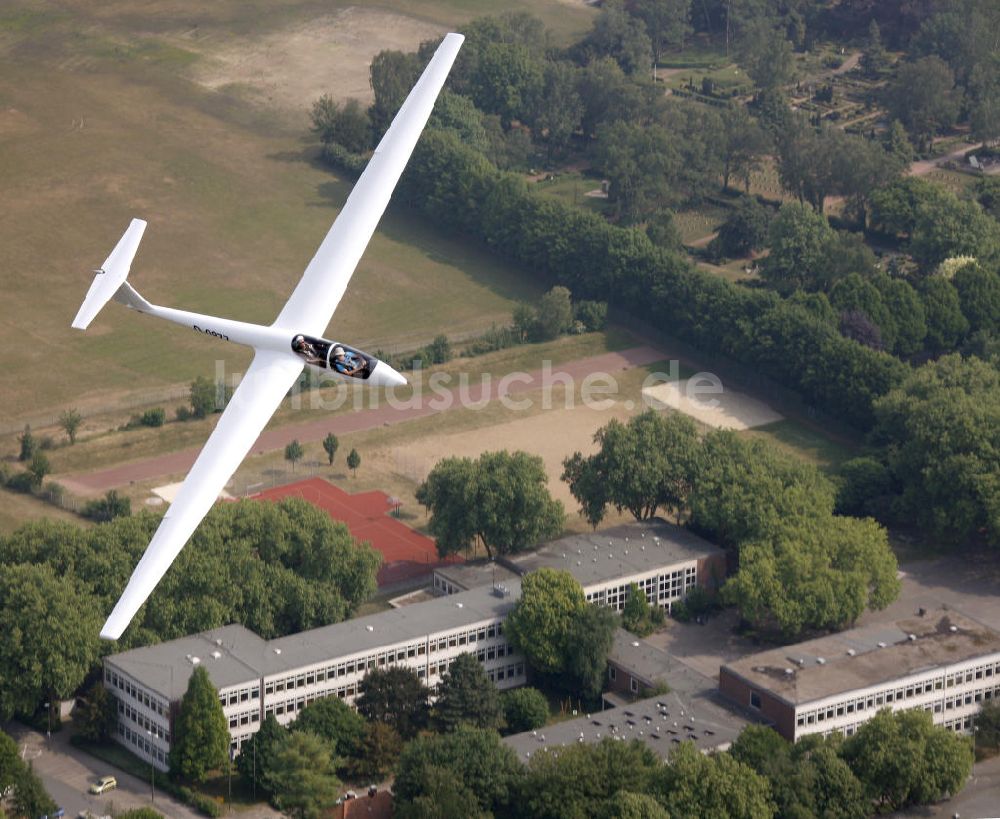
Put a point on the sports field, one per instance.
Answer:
(109, 111)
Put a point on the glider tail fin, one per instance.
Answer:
(110, 278)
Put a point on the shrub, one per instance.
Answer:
(524, 709)
(21, 482)
(183, 413)
(155, 417)
(592, 314)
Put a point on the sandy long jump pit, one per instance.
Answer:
(724, 409)
(293, 67)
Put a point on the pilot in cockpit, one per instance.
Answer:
(346, 366)
(307, 351)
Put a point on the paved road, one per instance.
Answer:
(343, 423)
(67, 772)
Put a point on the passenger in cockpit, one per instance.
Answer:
(346, 366)
(307, 351)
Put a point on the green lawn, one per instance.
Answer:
(571, 189)
(806, 442)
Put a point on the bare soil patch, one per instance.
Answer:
(291, 68)
(727, 409)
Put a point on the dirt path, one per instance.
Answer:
(317, 429)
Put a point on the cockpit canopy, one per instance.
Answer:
(334, 356)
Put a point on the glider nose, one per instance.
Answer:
(385, 376)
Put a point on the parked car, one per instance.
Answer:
(103, 785)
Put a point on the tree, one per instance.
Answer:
(856, 293)
(640, 161)
(866, 483)
(378, 751)
(524, 709)
(923, 98)
(874, 59)
(48, 636)
(204, 397)
(745, 229)
(667, 23)
(945, 226)
(96, 714)
(979, 294)
(335, 722)
(814, 574)
(908, 315)
(588, 643)
(555, 313)
(987, 729)
(10, 761)
(392, 75)
(301, 777)
(584, 779)
(619, 35)
(440, 349)
(395, 696)
(798, 240)
(345, 125)
(70, 421)
(472, 756)
(501, 497)
(638, 616)
(904, 759)
(111, 506)
(330, 444)
(28, 445)
(662, 231)
(38, 468)
(631, 805)
(30, 797)
(766, 54)
(465, 696)
(507, 81)
(641, 466)
(897, 145)
(257, 753)
(744, 144)
(353, 461)
(294, 452)
(945, 323)
(539, 624)
(693, 784)
(558, 107)
(201, 731)
(939, 433)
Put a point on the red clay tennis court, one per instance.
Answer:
(406, 554)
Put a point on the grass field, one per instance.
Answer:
(102, 119)
(571, 189)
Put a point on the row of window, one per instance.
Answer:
(658, 588)
(511, 672)
(445, 586)
(141, 741)
(128, 712)
(977, 673)
(246, 718)
(877, 700)
(245, 694)
(123, 684)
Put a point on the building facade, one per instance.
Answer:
(941, 662)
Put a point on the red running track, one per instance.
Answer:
(405, 554)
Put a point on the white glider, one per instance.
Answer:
(281, 349)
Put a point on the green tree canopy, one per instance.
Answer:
(619, 35)
(70, 421)
(30, 797)
(353, 461)
(294, 452)
(554, 315)
(588, 643)
(694, 785)
(395, 696)
(945, 323)
(640, 161)
(201, 730)
(378, 751)
(923, 97)
(500, 497)
(941, 431)
(49, 641)
(301, 777)
(903, 759)
(524, 709)
(473, 756)
(204, 395)
(799, 239)
(642, 466)
(258, 752)
(335, 722)
(583, 779)
(979, 294)
(345, 124)
(330, 445)
(465, 696)
(541, 621)
(745, 229)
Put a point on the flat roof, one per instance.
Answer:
(867, 656)
(618, 552)
(245, 657)
(661, 723)
(470, 575)
(638, 657)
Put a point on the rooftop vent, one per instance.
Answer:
(578, 563)
(881, 643)
(952, 629)
(372, 628)
(217, 654)
(821, 660)
(789, 672)
(195, 660)
(911, 637)
(851, 652)
(457, 605)
(218, 641)
(635, 644)
(277, 651)
(800, 662)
